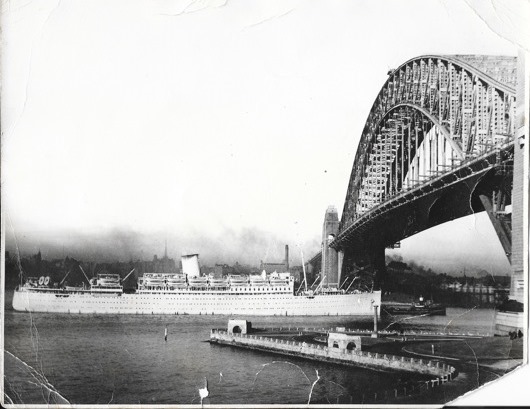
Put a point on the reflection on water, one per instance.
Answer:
(457, 320)
(124, 359)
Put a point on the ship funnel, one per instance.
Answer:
(190, 265)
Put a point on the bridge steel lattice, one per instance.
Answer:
(437, 145)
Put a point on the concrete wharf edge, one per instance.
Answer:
(440, 371)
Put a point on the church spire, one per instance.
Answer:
(165, 250)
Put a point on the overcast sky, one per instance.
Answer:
(226, 127)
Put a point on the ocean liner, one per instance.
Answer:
(191, 293)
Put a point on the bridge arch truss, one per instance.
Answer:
(433, 116)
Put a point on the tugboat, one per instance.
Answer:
(420, 307)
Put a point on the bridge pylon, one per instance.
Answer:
(330, 257)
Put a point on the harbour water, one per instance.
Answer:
(100, 359)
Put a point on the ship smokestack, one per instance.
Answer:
(286, 257)
(190, 265)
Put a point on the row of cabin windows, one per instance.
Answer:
(113, 300)
(231, 291)
(164, 298)
(159, 288)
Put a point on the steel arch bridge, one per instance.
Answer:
(437, 145)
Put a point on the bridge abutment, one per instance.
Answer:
(520, 189)
(511, 318)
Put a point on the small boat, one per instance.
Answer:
(420, 307)
(258, 280)
(198, 281)
(217, 282)
(175, 278)
(237, 281)
(175, 281)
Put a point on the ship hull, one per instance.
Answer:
(190, 302)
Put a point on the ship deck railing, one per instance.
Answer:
(342, 292)
(56, 290)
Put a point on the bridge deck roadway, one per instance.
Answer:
(440, 199)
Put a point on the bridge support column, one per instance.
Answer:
(512, 318)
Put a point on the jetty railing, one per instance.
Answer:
(406, 333)
(440, 370)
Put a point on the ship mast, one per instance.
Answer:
(320, 284)
(354, 278)
(127, 276)
(303, 269)
(84, 273)
(62, 281)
